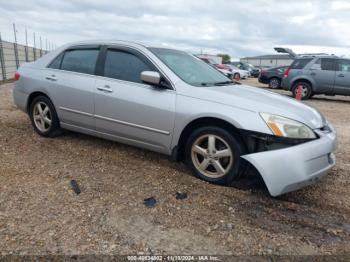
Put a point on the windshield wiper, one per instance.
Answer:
(225, 83)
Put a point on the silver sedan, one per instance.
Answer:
(170, 102)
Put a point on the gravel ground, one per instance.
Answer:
(40, 214)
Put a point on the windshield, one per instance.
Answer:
(249, 66)
(189, 68)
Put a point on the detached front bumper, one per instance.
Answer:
(289, 169)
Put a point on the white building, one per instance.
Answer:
(268, 60)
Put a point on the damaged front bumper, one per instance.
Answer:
(295, 166)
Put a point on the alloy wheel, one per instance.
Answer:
(274, 83)
(304, 91)
(212, 156)
(42, 116)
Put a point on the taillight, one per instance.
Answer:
(286, 72)
(17, 76)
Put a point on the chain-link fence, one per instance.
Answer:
(12, 55)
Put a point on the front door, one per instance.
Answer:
(129, 110)
(342, 78)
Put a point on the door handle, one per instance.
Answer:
(52, 78)
(313, 74)
(105, 88)
(341, 75)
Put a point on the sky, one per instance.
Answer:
(238, 28)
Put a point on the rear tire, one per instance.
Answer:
(213, 155)
(275, 83)
(43, 116)
(306, 90)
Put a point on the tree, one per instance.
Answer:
(225, 58)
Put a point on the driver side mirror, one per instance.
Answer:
(150, 77)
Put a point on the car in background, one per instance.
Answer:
(325, 74)
(223, 68)
(239, 74)
(254, 71)
(272, 76)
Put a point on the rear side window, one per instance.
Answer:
(300, 63)
(328, 64)
(56, 63)
(124, 66)
(80, 60)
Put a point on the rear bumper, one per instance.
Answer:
(20, 98)
(291, 168)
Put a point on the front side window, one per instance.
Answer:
(328, 64)
(124, 66)
(344, 65)
(189, 68)
(80, 60)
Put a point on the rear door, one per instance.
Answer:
(129, 110)
(323, 74)
(342, 78)
(72, 80)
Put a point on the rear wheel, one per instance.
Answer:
(237, 76)
(213, 154)
(274, 83)
(43, 116)
(305, 90)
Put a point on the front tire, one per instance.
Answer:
(213, 154)
(43, 116)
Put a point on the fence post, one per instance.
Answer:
(26, 47)
(2, 60)
(15, 46)
(41, 47)
(34, 47)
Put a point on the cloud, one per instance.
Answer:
(240, 28)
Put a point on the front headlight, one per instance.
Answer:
(285, 127)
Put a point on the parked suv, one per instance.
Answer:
(329, 75)
(170, 102)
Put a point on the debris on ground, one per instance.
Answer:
(75, 186)
(150, 202)
(181, 195)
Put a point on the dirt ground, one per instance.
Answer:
(40, 214)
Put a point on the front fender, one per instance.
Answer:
(189, 109)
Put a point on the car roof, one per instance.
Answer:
(114, 42)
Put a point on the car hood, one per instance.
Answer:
(258, 100)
